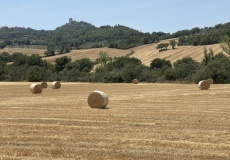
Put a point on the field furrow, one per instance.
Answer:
(143, 121)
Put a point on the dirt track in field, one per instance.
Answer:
(144, 121)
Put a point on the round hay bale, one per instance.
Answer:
(98, 99)
(56, 85)
(135, 81)
(44, 84)
(204, 85)
(210, 81)
(36, 88)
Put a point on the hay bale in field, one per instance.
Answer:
(44, 84)
(56, 85)
(98, 99)
(35, 88)
(204, 85)
(135, 81)
(210, 81)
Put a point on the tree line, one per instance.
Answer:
(77, 35)
(83, 35)
(115, 70)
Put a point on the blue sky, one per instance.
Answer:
(144, 15)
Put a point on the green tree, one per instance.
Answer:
(5, 57)
(60, 63)
(218, 70)
(2, 69)
(72, 65)
(34, 60)
(49, 52)
(208, 56)
(219, 55)
(170, 74)
(162, 46)
(131, 71)
(182, 40)
(61, 49)
(67, 49)
(16, 73)
(103, 58)
(209, 38)
(185, 68)
(35, 73)
(2, 45)
(27, 42)
(172, 43)
(73, 75)
(100, 75)
(160, 63)
(121, 69)
(120, 62)
(19, 59)
(195, 30)
(225, 44)
(15, 55)
(194, 40)
(85, 64)
(147, 75)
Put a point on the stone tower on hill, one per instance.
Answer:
(70, 20)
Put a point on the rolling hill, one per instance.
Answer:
(146, 53)
(86, 40)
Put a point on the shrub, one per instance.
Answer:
(160, 63)
(184, 68)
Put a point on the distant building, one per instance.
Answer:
(70, 20)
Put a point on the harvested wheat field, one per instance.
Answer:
(143, 121)
(92, 54)
(146, 53)
(28, 51)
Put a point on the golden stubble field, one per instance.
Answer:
(143, 121)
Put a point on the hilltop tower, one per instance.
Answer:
(70, 20)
